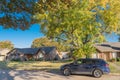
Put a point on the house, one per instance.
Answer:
(48, 53)
(43, 53)
(21, 53)
(3, 53)
(107, 50)
(64, 55)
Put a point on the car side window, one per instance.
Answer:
(96, 62)
(79, 61)
(88, 62)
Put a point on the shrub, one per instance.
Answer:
(31, 59)
(40, 59)
(113, 60)
(16, 59)
(118, 58)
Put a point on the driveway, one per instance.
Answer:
(51, 75)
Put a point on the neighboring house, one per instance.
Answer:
(43, 53)
(64, 55)
(48, 53)
(21, 53)
(3, 53)
(108, 50)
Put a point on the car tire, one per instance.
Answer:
(97, 73)
(66, 72)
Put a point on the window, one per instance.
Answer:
(79, 61)
(40, 55)
(114, 55)
(87, 61)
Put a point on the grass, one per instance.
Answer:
(3, 65)
(32, 65)
(117, 63)
(43, 65)
(113, 68)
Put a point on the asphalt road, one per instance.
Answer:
(43, 75)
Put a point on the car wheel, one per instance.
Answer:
(97, 73)
(66, 72)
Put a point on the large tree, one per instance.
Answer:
(79, 23)
(6, 45)
(44, 41)
(16, 14)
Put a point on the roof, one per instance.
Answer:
(90, 59)
(27, 50)
(108, 47)
(46, 50)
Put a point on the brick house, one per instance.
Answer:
(107, 50)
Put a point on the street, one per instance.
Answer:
(43, 75)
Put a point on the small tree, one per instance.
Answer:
(44, 42)
(6, 44)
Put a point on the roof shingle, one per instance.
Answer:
(108, 47)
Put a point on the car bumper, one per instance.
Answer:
(106, 71)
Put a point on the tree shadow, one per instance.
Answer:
(58, 72)
(37, 74)
(5, 72)
(5, 75)
(10, 74)
(31, 75)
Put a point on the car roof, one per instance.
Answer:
(93, 59)
(90, 59)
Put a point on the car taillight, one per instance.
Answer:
(107, 65)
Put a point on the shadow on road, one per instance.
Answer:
(5, 72)
(10, 74)
(57, 72)
(5, 75)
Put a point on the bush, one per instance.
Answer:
(16, 59)
(31, 59)
(118, 58)
(40, 59)
(113, 60)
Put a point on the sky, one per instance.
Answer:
(112, 37)
(21, 39)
